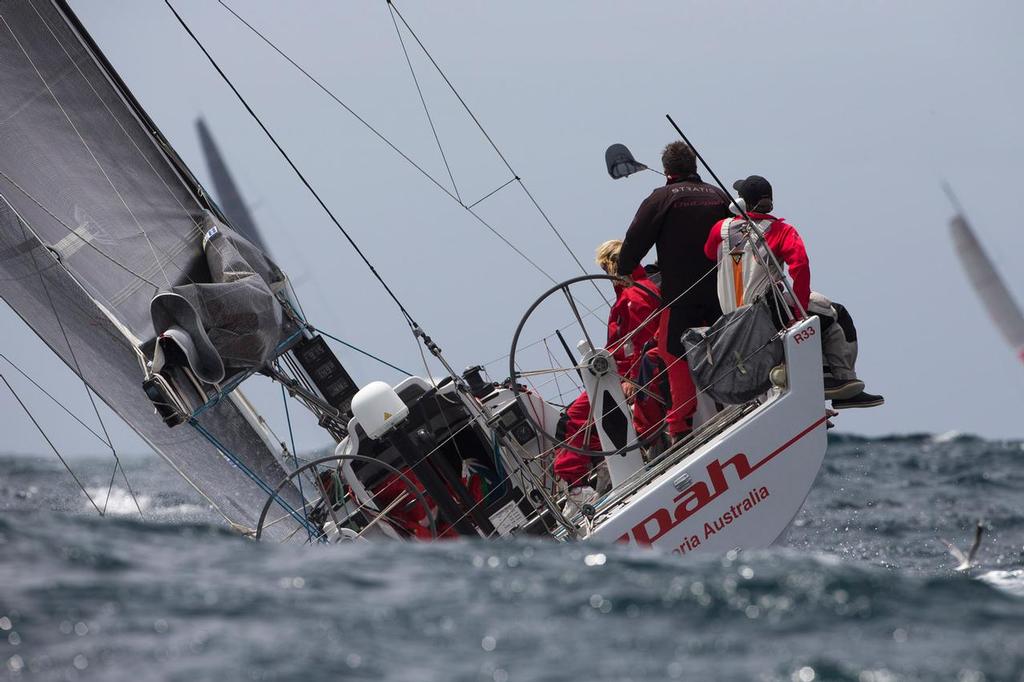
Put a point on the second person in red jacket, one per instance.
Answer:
(632, 322)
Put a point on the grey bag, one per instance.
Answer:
(229, 324)
(732, 359)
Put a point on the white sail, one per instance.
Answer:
(998, 301)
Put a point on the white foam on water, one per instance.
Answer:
(1007, 581)
(120, 503)
(946, 437)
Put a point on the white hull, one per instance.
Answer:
(747, 484)
(738, 488)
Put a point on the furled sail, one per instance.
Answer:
(997, 299)
(98, 215)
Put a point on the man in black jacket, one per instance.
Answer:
(677, 218)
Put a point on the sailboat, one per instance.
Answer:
(990, 287)
(228, 195)
(119, 260)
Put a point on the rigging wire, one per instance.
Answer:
(395, 11)
(316, 195)
(88, 390)
(342, 104)
(252, 475)
(53, 398)
(491, 193)
(394, 147)
(52, 446)
(359, 350)
(295, 455)
(423, 101)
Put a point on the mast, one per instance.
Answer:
(97, 214)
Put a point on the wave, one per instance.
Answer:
(117, 501)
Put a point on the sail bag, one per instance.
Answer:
(230, 324)
(731, 360)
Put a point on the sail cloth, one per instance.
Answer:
(231, 323)
(731, 361)
(996, 298)
(97, 215)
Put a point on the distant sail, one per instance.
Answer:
(97, 214)
(228, 196)
(1000, 305)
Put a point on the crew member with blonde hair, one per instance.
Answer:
(635, 310)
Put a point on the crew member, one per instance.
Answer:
(632, 323)
(676, 218)
(742, 278)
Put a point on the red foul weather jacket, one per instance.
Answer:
(633, 307)
(785, 242)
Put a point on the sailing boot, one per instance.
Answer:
(842, 389)
(862, 399)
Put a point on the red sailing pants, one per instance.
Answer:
(573, 467)
(684, 393)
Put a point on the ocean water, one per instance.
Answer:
(862, 588)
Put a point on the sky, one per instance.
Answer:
(856, 112)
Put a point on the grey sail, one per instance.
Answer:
(228, 195)
(998, 301)
(97, 215)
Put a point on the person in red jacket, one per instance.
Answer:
(742, 278)
(632, 323)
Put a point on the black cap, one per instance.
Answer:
(753, 189)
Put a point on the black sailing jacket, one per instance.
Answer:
(677, 218)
